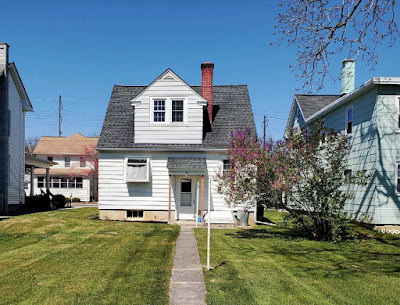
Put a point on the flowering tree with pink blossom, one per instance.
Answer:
(312, 172)
(250, 172)
(90, 157)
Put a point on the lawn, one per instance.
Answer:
(63, 257)
(276, 265)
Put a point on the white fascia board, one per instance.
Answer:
(364, 87)
(291, 114)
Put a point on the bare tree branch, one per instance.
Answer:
(321, 28)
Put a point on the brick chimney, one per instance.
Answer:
(207, 86)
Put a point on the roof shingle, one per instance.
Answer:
(311, 104)
(231, 102)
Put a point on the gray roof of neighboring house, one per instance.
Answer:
(232, 110)
(186, 163)
(311, 104)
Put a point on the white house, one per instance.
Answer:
(72, 175)
(14, 103)
(161, 146)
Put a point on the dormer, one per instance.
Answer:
(168, 111)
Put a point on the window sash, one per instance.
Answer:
(177, 110)
(349, 120)
(67, 161)
(159, 111)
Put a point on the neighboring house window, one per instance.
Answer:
(225, 167)
(298, 113)
(50, 159)
(63, 182)
(67, 161)
(137, 170)
(397, 182)
(177, 111)
(134, 214)
(40, 181)
(82, 162)
(349, 120)
(323, 138)
(348, 174)
(159, 111)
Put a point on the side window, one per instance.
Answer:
(137, 170)
(349, 120)
(67, 161)
(397, 182)
(50, 158)
(225, 166)
(177, 111)
(40, 182)
(298, 113)
(159, 111)
(82, 162)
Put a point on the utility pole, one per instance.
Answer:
(265, 126)
(59, 116)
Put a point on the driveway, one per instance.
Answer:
(77, 205)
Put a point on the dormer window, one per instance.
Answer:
(177, 111)
(159, 111)
(168, 111)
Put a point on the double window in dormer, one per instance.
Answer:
(168, 111)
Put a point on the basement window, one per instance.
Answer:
(137, 170)
(134, 214)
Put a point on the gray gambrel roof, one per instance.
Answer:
(310, 104)
(187, 163)
(231, 106)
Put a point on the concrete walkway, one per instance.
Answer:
(187, 284)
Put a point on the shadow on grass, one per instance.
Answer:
(284, 234)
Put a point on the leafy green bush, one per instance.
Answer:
(76, 199)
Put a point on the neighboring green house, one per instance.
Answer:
(370, 116)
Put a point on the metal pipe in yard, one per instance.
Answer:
(209, 226)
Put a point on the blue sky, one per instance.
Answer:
(80, 49)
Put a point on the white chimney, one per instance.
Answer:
(3, 56)
(348, 75)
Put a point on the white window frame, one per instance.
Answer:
(168, 110)
(347, 119)
(67, 162)
(223, 171)
(147, 179)
(396, 181)
(153, 111)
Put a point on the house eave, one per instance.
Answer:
(358, 91)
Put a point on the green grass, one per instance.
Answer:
(275, 265)
(62, 257)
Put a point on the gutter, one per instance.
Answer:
(364, 87)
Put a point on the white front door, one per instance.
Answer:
(187, 197)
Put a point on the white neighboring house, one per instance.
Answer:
(161, 145)
(14, 103)
(69, 177)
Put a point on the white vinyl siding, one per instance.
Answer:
(190, 131)
(16, 192)
(115, 193)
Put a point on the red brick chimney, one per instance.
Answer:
(207, 86)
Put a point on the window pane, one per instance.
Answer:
(398, 185)
(186, 185)
(177, 116)
(177, 105)
(350, 114)
(64, 182)
(71, 183)
(40, 182)
(56, 182)
(349, 127)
